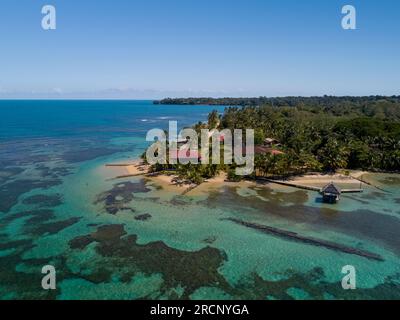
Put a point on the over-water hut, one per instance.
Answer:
(331, 193)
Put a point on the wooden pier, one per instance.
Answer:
(310, 188)
(352, 190)
(289, 184)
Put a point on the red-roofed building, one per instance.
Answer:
(186, 155)
(260, 149)
(276, 152)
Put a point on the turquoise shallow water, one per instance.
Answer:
(54, 195)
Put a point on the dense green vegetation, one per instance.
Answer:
(316, 134)
(371, 106)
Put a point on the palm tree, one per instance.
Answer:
(333, 155)
(259, 161)
(213, 119)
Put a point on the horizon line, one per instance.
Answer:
(197, 97)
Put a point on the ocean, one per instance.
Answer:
(56, 195)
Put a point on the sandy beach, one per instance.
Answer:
(168, 181)
(135, 168)
(319, 179)
(169, 184)
(138, 168)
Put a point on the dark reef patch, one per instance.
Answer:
(54, 173)
(143, 217)
(25, 284)
(127, 209)
(356, 199)
(35, 216)
(93, 224)
(391, 181)
(9, 172)
(210, 240)
(372, 195)
(42, 200)
(295, 197)
(81, 242)
(20, 153)
(50, 228)
(16, 244)
(74, 156)
(194, 270)
(313, 283)
(103, 233)
(10, 192)
(120, 195)
(191, 270)
(39, 216)
(289, 235)
(109, 233)
(364, 224)
(180, 201)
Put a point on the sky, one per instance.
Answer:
(150, 49)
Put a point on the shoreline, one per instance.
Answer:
(320, 180)
(169, 182)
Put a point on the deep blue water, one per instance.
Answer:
(61, 119)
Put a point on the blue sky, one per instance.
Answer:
(156, 48)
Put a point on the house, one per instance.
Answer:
(262, 149)
(276, 152)
(181, 141)
(214, 131)
(331, 193)
(185, 155)
(269, 142)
